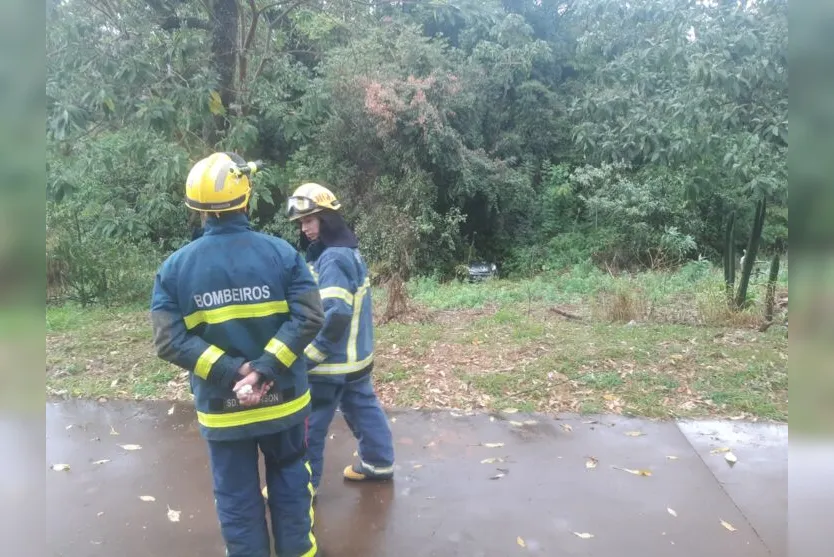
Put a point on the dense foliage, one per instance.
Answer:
(537, 133)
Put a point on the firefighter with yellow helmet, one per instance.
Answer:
(341, 357)
(237, 308)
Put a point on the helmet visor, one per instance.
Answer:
(299, 204)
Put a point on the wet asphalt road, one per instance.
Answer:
(443, 501)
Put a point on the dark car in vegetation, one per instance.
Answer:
(481, 270)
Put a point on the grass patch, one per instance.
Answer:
(603, 380)
(419, 338)
(107, 352)
(496, 345)
(392, 375)
(653, 370)
(622, 305)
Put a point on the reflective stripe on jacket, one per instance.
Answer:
(232, 296)
(345, 343)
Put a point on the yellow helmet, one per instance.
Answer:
(219, 183)
(310, 198)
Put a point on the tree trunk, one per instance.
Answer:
(224, 48)
(750, 256)
(730, 258)
(770, 302)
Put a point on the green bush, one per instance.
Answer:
(92, 268)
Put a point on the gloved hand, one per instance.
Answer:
(251, 388)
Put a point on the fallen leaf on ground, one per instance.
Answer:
(102, 461)
(530, 422)
(510, 410)
(672, 512)
(635, 433)
(171, 411)
(173, 516)
(113, 431)
(131, 447)
(520, 542)
(672, 457)
(61, 467)
(583, 535)
(492, 460)
(147, 498)
(498, 476)
(591, 462)
(728, 526)
(731, 458)
(633, 471)
(517, 424)
(567, 427)
(493, 445)
(720, 450)
(588, 422)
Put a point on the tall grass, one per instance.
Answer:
(569, 287)
(692, 294)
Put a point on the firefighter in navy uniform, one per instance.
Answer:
(340, 358)
(237, 308)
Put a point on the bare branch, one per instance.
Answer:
(564, 313)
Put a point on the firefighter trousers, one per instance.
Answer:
(241, 508)
(364, 416)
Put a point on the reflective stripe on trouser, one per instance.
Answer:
(363, 414)
(241, 507)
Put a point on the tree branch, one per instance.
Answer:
(264, 55)
(256, 14)
(160, 8)
(175, 22)
(270, 6)
(104, 10)
(243, 60)
(274, 23)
